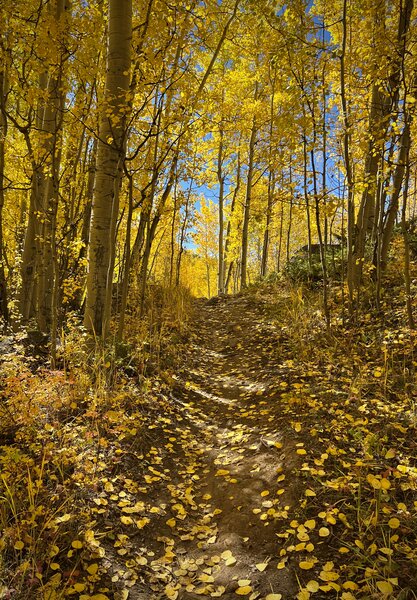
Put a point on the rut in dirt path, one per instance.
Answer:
(241, 457)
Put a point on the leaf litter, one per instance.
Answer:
(251, 471)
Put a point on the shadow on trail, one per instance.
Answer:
(243, 455)
(220, 487)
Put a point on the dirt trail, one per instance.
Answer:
(228, 462)
(230, 386)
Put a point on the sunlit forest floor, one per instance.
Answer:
(267, 457)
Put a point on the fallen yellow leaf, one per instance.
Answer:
(385, 587)
(244, 590)
(306, 565)
(92, 569)
(63, 518)
(329, 576)
(394, 523)
(18, 545)
(310, 524)
(140, 523)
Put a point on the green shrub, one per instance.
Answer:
(299, 269)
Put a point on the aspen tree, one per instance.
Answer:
(110, 156)
(52, 121)
(248, 200)
(4, 312)
(271, 177)
(235, 195)
(347, 159)
(221, 180)
(383, 106)
(38, 265)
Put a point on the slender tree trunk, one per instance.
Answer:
(378, 233)
(139, 238)
(85, 228)
(126, 267)
(267, 232)
(183, 231)
(366, 215)
(220, 179)
(4, 311)
(47, 267)
(151, 229)
(307, 198)
(85, 231)
(348, 166)
(324, 155)
(271, 186)
(281, 232)
(50, 203)
(175, 209)
(229, 223)
(407, 276)
(208, 277)
(383, 106)
(395, 196)
(247, 208)
(110, 157)
(32, 255)
(289, 218)
(323, 258)
(229, 276)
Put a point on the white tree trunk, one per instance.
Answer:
(110, 156)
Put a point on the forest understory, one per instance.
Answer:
(208, 281)
(256, 454)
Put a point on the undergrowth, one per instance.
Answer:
(348, 400)
(61, 431)
(351, 403)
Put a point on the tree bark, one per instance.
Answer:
(52, 125)
(110, 157)
(183, 232)
(271, 186)
(247, 208)
(229, 223)
(126, 268)
(220, 178)
(348, 164)
(407, 276)
(4, 311)
(288, 241)
(306, 197)
(267, 232)
(382, 108)
(392, 212)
